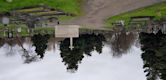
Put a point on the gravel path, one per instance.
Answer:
(96, 11)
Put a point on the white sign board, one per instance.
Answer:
(66, 31)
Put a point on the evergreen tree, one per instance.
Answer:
(40, 42)
(154, 53)
(85, 44)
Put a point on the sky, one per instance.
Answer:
(98, 67)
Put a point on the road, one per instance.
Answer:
(97, 11)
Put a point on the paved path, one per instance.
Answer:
(96, 11)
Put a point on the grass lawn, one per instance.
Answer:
(70, 6)
(44, 30)
(24, 30)
(157, 10)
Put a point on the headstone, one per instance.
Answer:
(5, 20)
(4, 33)
(19, 29)
(122, 22)
(9, 1)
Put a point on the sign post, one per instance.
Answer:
(67, 31)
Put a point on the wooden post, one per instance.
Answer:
(164, 28)
(4, 33)
(71, 43)
(149, 26)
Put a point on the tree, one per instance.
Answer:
(40, 42)
(1, 42)
(154, 53)
(122, 42)
(85, 44)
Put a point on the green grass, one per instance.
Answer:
(11, 27)
(157, 10)
(44, 30)
(24, 30)
(70, 6)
